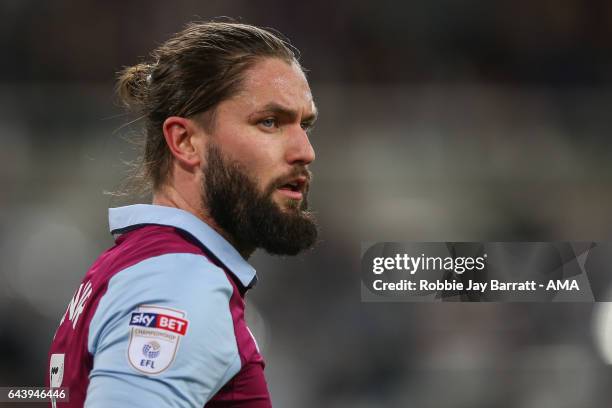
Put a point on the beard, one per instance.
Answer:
(250, 216)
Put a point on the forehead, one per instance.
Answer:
(272, 80)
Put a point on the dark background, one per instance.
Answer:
(439, 121)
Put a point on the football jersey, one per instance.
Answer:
(158, 320)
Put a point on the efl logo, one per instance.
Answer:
(159, 321)
(159, 348)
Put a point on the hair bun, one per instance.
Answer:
(132, 86)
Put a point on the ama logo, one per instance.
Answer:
(155, 334)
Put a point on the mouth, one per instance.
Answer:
(295, 188)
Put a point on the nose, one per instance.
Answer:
(300, 151)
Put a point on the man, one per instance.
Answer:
(158, 320)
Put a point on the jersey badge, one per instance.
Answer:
(155, 334)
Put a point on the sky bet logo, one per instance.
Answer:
(159, 321)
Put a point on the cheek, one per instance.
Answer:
(263, 166)
(260, 154)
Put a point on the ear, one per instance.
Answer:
(181, 134)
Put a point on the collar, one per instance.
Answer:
(141, 214)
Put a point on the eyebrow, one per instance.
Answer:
(288, 112)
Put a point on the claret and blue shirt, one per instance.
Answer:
(158, 320)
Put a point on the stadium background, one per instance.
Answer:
(440, 120)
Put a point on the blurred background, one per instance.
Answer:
(439, 120)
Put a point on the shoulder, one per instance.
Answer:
(146, 242)
(155, 261)
(187, 282)
(167, 316)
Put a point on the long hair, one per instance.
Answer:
(189, 75)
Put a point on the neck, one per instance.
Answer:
(169, 197)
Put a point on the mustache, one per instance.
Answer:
(296, 172)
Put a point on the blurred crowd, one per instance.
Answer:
(439, 121)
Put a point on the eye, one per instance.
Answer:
(307, 126)
(268, 123)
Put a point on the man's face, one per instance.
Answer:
(256, 176)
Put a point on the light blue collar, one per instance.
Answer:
(123, 217)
